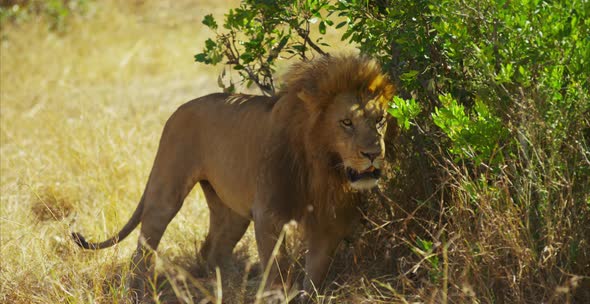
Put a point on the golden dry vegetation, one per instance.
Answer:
(81, 114)
(82, 109)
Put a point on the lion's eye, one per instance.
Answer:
(347, 123)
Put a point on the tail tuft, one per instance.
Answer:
(80, 240)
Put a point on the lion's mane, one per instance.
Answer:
(308, 89)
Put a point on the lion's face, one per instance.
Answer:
(356, 127)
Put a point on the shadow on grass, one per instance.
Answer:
(187, 279)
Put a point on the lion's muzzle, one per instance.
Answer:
(367, 174)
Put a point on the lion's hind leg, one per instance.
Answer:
(163, 198)
(226, 228)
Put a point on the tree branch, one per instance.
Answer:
(305, 35)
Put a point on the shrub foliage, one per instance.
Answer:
(491, 173)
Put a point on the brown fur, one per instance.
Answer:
(298, 156)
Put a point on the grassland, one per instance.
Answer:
(82, 108)
(81, 114)
(83, 105)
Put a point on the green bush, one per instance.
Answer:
(494, 97)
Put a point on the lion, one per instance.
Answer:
(303, 155)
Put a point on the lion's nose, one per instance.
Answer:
(371, 155)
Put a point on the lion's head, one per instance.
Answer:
(343, 118)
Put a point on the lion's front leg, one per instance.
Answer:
(271, 250)
(321, 247)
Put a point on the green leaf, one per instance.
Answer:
(404, 111)
(210, 44)
(409, 76)
(247, 57)
(347, 34)
(299, 48)
(201, 57)
(283, 42)
(341, 24)
(322, 28)
(209, 21)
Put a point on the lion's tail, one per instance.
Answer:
(123, 233)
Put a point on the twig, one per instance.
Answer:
(305, 35)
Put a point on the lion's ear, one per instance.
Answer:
(389, 91)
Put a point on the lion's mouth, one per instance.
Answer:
(369, 173)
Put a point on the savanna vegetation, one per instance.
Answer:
(488, 192)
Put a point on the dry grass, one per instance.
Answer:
(82, 109)
(81, 114)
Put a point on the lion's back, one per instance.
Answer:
(227, 136)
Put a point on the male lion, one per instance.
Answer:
(303, 155)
